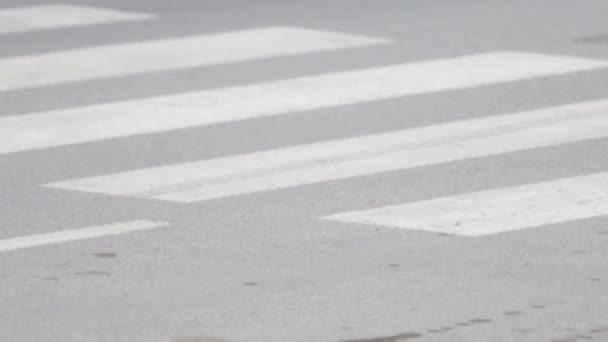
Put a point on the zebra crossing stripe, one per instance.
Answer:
(495, 211)
(359, 156)
(54, 16)
(78, 234)
(168, 54)
(291, 96)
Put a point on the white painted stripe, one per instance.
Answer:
(307, 164)
(495, 211)
(54, 16)
(78, 234)
(64, 127)
(169, 54)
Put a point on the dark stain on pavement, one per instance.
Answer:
(93, 273)
(512, 313)
(470, 323)
(589, 335)
(523, 331)
(474, 321)
(443, 234)
(105, 255)
(394, 338)
(464, 324)
(480, 320)
(198, 339)
(250, 283)
(599, 330)
(566, 339)
(440, 330)
(573, 338)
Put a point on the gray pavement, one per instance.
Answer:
(265, 266)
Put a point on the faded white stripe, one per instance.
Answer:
(307, 164)
(77, 234)
(495, 211)
(64, 127)
(169, 54)
(54, 16)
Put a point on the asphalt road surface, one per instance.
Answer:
(303, 171)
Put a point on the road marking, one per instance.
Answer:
(54, 16)
(495, 211)
(338, 159)
(123, 119)
(78, 234)
(169, 54)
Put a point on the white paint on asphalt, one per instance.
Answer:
(54, 16)
(169, 54)
(129, 118)
(338, 159)
(78, 234)
(495, 211)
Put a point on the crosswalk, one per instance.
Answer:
(56, 16)
(78, 234)
(339, 159)
(474, 214)
(168, 54)
(496, 211)
(285, 97)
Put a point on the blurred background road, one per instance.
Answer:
(344, 170)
